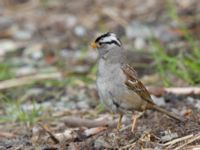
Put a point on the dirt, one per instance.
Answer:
(44, 36)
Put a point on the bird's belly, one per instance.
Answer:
(104, 87)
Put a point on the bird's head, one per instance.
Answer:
(106, 42)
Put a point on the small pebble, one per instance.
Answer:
(79, 31)
(168, 136)
(160, 101)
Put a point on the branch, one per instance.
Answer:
(28, 80)
(174, 90)
(80, 122)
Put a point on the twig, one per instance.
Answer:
(7, 135)
(28, 80)
(178, 140)
(93, 131)
(52, 136)
(196, 137)
(193, 147)
(134, 141)
(80, 122)
(183, 90)
(126, 127)
(174, 90)
(71, 134)
(128, 146)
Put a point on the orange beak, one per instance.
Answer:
(93, 45)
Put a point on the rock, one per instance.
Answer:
(83, 105)
(197, 105)
(2, 148)
(79, 31)
(21, 34)
(139, 43)
(148, 30)
(160, 101)
(137, 29)
(70, 21)
(34, 52)
(5, 22)
(164, 33)
(81, 68)
(190, 99)
(101, 143)
(25, 70)
(168, 136)
(65, 105)
(193, 101)
(7, 46)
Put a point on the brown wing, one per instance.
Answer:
(134, 84)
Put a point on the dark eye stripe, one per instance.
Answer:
(102, 36)
(110, 42)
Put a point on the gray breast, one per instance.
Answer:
(109, 80)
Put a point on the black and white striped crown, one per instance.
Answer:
(108, 38)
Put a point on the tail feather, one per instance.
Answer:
(170, 114)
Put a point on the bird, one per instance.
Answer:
(117, 82)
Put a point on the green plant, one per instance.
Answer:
(15, 112)
(186, 64)
(5, 72)
(183, 65)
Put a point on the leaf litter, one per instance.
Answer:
(50, 100)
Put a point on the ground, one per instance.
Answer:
(48, 95)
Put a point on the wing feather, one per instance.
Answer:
(135, 84)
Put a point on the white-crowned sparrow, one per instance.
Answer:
(117, 83)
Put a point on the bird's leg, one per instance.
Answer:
(133, 123)
(135, 117)
(119, 124)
